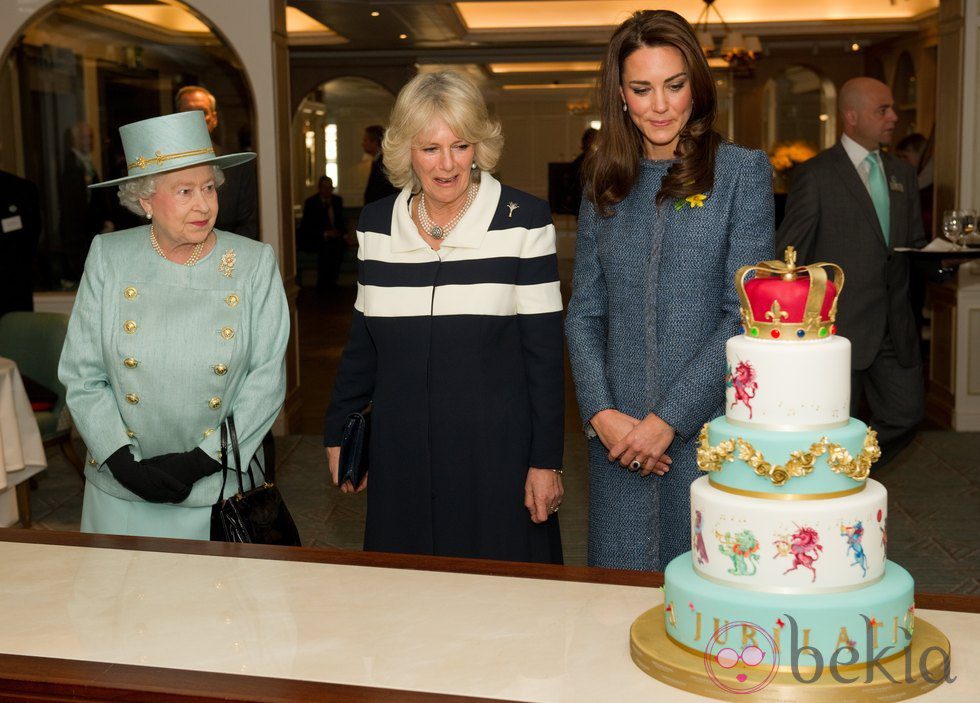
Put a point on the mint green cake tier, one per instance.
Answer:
(695, 608)
(777, 449)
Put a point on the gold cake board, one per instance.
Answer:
(657, 655)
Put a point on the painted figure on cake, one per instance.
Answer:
(698, 542)
(804, 546)
(741, 548)
(854, 534)
(744, 383)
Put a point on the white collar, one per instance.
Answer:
(468, 232)
(855, 152)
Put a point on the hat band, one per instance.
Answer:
(159, 158)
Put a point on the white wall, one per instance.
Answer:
(537, 131)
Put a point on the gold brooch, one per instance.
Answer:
(227, 265)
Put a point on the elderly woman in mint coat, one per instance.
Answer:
(176, 326)
(670, 214)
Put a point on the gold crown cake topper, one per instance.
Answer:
(786, 301)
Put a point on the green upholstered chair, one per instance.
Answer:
(33, 340)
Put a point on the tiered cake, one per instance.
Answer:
(786, 522)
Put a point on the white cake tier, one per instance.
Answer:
(788, 385)
(789, 546)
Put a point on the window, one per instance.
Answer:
(330, 153)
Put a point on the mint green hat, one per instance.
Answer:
(170, 143)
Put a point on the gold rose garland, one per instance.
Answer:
(800, 463)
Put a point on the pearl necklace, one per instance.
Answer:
(194, 257)
(442, 231)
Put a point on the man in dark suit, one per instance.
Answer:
(20, 228)
(238, 200)
(378, 185)
(322, 230)
(854, 205)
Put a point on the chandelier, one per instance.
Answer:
(739, 52)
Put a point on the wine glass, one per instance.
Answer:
(952, 226)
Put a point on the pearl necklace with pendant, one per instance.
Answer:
(195, 254)
(442, 231)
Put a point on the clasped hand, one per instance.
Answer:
(167, 478)
(638, 445)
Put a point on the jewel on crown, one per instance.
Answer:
(789, 302)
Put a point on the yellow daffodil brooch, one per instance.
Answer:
(696, 200)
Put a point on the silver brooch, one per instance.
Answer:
(227, 264)
(512, 206)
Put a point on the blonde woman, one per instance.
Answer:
(457, 342)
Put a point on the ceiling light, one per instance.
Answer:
(174, 17)
(547, 86)
(738, 52)
(545, 67)
(403, 36)
(855, 47)
(298, 22)
(375, 13)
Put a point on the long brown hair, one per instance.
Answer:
(612, 165)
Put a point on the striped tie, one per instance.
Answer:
(879, 192)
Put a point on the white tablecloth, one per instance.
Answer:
(21, 450)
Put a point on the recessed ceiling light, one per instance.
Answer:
(375, 13)
(403, 36)
(855, 47)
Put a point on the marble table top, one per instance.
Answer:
(499, 637)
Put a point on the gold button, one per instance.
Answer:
(129, 326)
(214, 403)
(232, 300)
(130, 363)
(132, 398)
(130, 433)
(208, 432)
(93, 462)
(220, 369)
(131, 293)
(227, 332)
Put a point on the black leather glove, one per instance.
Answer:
(151, 483)
(187, 467)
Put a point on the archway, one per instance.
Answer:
(327, 130)
(799, 118)
(74, 74)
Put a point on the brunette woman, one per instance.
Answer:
(670, 212)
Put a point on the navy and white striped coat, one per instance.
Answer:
(460, 352)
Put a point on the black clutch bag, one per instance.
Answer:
(258, 515)
(354, 447)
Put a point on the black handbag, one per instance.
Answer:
(258, 515)
(354, 447)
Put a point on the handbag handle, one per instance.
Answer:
(224, 461)
(229, 433)
(233, 435)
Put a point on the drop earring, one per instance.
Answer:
(624, 106)
(473, 166)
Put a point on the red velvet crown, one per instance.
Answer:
(786, 301)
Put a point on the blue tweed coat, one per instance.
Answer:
(652, 306)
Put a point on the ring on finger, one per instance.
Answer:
(635, 465)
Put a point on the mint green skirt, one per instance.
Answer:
(106, 514)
